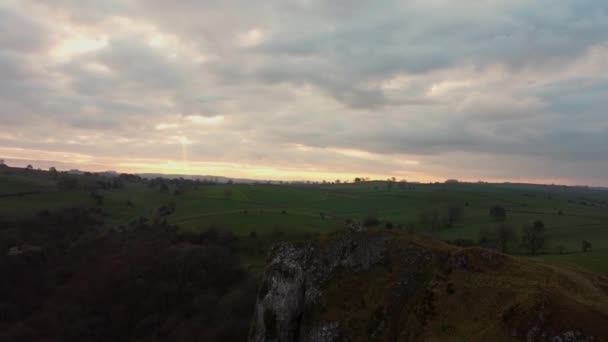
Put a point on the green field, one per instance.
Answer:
(570, 214)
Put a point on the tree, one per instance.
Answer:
(2, 163)
(357, 180)
(454, 214)
(430, 219)
(498, 212)
(504, 235)
(534, 237)
(586, 246)
(67, 183)
(52, 169)
(389, 184)
(29, 167)
(164, 188)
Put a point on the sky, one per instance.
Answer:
(422, 90)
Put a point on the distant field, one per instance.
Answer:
(296, 210)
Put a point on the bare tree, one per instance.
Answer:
(586, 246)
(505, 234)
(454, 214)
(534, 237)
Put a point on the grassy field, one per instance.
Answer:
(570, 214)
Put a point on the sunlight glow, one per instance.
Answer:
(205, 120)
(69, 48)
(250, 38)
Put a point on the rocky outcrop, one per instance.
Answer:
(386, 286)
(294, 288)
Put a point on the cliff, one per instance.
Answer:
(390, 286)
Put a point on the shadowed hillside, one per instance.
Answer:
(63, 281)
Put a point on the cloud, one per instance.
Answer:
(469, 89)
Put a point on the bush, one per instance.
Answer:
(371, 220)
(498, 212)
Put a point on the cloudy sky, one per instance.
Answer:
(309, 89)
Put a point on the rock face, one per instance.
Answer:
(294, 282)
(385, 286)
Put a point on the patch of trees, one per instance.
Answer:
(67, 182)
(533, 237)
(176, 186)
(64, 280)
(433, 219)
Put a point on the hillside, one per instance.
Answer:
(64, 279)
(387, 286)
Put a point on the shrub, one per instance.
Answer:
(498, 212)
(371, 220)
